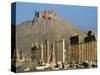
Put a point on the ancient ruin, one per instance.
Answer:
(51, 42)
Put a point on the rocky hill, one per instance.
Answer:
(44, 25)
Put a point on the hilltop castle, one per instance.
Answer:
(44, 14)
(49, 13)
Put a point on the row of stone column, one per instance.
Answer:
(83, 51)
(88, 51)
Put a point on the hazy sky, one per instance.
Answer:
(82, 17)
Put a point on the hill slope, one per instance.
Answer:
(36, 31)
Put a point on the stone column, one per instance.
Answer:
(63, 50)
(42, 51)
(37, 44)
(92, 51)
(80, 52)
(53, 53)
(22, 55)
(87, 52)
(95, 50)
(84, 53)
(48, 51)
(17, 54)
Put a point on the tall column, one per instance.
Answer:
(72, 53)
(42, 51)
(63, 50)
(17, 54)
(87, 51)
(22, 55)
(92, 52)
(53, 54)
(48, 51)
(95, 50)
(37, 44)
(80, 51)
(91, 49)
(85, 47)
